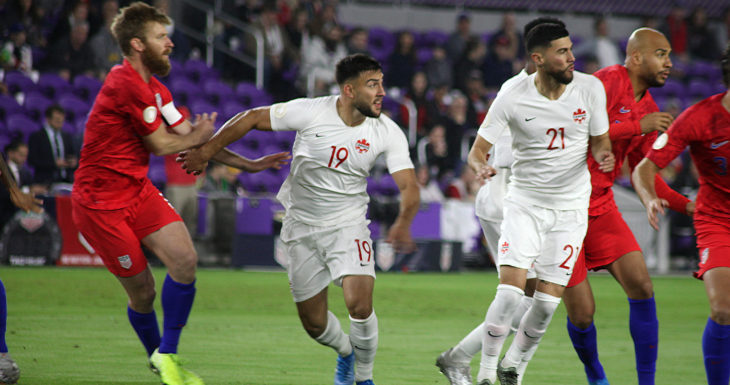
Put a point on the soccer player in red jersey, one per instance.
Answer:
(609, 243)
(115, 206)
(705, 128)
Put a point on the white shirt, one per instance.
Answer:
(327, 181)
(550, 139)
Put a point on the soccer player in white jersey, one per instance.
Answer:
(553, 115)
(454, 363)
(325, 229)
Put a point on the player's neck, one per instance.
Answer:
(548, 86)
(638, 85)
(141, 69)
(726, 101)
(350, 115)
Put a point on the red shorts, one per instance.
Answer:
(115, 234)
(608, 239)
(713, 242)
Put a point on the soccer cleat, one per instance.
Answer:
(507, 376)
(602, 381)
(485, 382)
(191, 378)
(167, 366)
(345, 370)
(9, 371)
(366, 382)
(455, 373)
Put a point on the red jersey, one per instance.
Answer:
(705, 128)
(627, 141)
(114, 161)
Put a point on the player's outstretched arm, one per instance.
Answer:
(230, 158)
(234, 129)
(163, 142)
(601, 150)
(477, 159)
(25, 202)
(399, 234)
(643, 179)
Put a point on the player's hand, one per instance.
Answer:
(193, 161)
(606, 161)
(275, 161)
(26, 202)
(656, 121)
(399, 236)
(205, 125)
(485, 173)
(690, 208)
(653, 209)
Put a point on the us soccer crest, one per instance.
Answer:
(362, 145)
(125, 261)
(579, 115)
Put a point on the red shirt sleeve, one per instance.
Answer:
(142, 107)
(624, 130)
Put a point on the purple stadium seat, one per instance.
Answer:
(217, 91)
(35, 105)
(9, 106)
(423, 55)
(699, 89)
(197, 70)
(86, 87)
(381, 43)
(671, 88)
(18, 82)
(22, 123)
(718, 88)
(392, 107)
(251, 96)
(75, 107)
(157, 174)
(230, 109)
(184, 90)
(435, 37)
(53, 85)
(201, 106)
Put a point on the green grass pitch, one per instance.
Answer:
(69, 327)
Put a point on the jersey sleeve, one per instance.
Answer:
(292, 115)
(142, 107)
(598, 124)
(671, 143)
(497, 119)
(170, 114)
(397, 156)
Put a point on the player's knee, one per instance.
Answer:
(582, 321)
(143, 299)
(184, 266)
(643, 290)
(314, 328)
(360, 311)
(721, 314)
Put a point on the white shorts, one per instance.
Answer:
(550, 240)
(320, 255)
(491, 231)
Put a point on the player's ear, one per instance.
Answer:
(537, 58)
(137, 44)
(348, 90)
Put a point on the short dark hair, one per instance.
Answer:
(15, 143)
(54, 108)
(543, 34)
(541, 20)
(353, 65)
(725, 66)
(132, 22)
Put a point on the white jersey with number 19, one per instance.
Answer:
(331, 161)
(549, 139)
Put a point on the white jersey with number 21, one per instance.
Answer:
(549, 139)
(327, 181)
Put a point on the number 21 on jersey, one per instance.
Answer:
(553, 134)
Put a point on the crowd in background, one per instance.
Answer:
(451, 81)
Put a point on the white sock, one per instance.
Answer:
(364, 340)
(496, 329)
(532, 328)
(525, 361)
(522, 308)
(334, 337)
(467, 348)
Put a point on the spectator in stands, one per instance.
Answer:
(357, 42)
(103, 45)
(52, 155)
(723, 30)
(76, 14)
(16, 153)
(182, 44)
(464, 187)
(701, 39)
(72, 56)
(438, 159)
(499, 65)
(318, 62)
(298, 30)
(324, 17)
(601, 46)
(471, 59)
(278, 52)
(402, 62)
(181, 188)
(16, 54)
(221, 180)
(477, 96)
(439, 68)
(429, 189)
(509, 36)
(30, 15)
(590, 64)
(456, 44)
(675, 29)
(437, 106)
(417, 93)
(458, 123)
